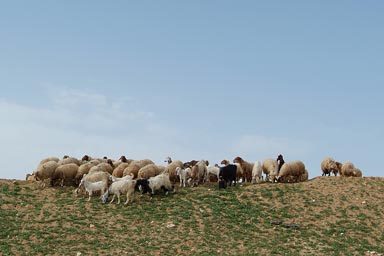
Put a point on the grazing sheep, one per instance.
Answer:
(56, 159)
(184, 174)
(257, 172)
(84, 169)
(291, 172)
(247, 168)
(135, 166)
(270, 169)
(45, 171)
(329, 165)
(92, 187)
(64, 174)
(119, 170)
(171, 169)
(106, 167)
(69, 160)
(122, 186)
(213, 171)
(348, 169)
(30, 177)
(150, 170)
(154, 184)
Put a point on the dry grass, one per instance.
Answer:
(332, 215)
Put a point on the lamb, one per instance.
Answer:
(45, 171)
(184, 174)
(247, 168)
(270, 169)
(154, 184)
(348, 169)
(171, 169)
(123, 186)
(329, 165)
(92, 187)
(257, 172)
(150, 170)
(291, 172)
(64, 174)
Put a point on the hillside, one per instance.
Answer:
(325, 215)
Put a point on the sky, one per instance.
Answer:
(191, 80)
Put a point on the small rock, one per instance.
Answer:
(92, 226)
(170, 225)
(78, 254)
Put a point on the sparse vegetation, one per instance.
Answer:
(327, 215)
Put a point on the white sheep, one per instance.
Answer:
(92, 187)
(257, 172)
(114, 178)
(292, 171)
(214, 171)
(270, 169)
(123, 186)
(184, 174)
(153, 184)
(45, 171)
(329, 165)
(348, 169)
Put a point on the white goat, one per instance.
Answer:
(183, 174)
(160, 181)
(123, 186)
(91, 187)
(114, 178)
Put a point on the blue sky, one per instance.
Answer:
(192, 80)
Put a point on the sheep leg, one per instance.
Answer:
(118, 198)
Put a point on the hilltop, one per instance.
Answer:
(325, 215)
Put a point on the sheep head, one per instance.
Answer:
(85, 158)
(225, 162)
(238, 160)
(123, 159)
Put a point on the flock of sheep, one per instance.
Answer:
(111, 177)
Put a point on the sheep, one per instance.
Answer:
(135, 166)
(257, 172)
(213, 171)
(190, 164)
(56, 159)
(84, 169)
(291, 172)
(69, 160)
(329, 165)
(45, 171)
(171, 169)
(348, 169)
(92, 187)
(227, 174)
(119, 170)
(30, 177)
(64, 173)
(154, 184)
(150, 170)
(123, 186)
(239, 170)
(280, 161)
(184, 174)
(247, 168)
(270, 169)
(123, 159)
